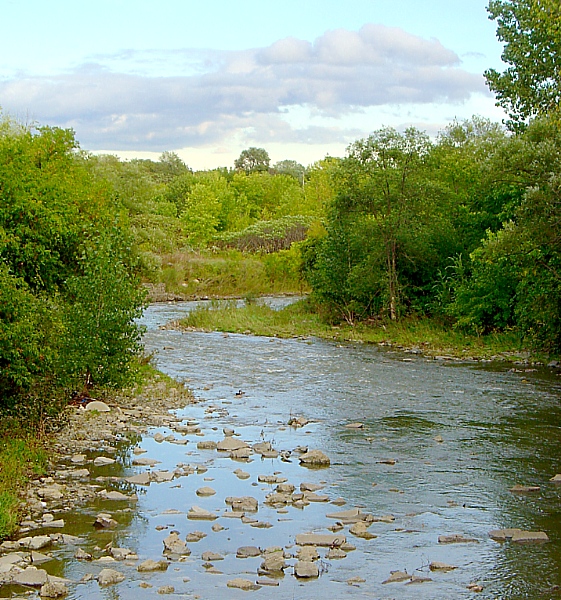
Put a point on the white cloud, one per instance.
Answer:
(342, 73)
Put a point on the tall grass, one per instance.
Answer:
(230, 273)
(20, 459)
(301, 319)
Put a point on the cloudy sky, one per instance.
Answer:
(208, 78)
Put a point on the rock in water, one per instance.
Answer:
(315, 458)
(109, 577)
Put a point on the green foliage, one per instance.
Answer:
(515, 275)
(67, 303)
(267, 236)
(253, 160)
(388, 228)
(531, 31)
(28, 334)
(101, 339)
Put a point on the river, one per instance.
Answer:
(498, 428)
(441, 445)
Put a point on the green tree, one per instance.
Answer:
(253, 160)
(292, 168)
(102, 339)
(531, 31)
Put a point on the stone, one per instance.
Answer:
(81, 554)
(105, 521)
(205, 491)
(217, 527)
(240, 454)
(78, 459)
(355, 426)
(166, 589)
(347, 517)
(206, 445)
(242, 503)
(98, 406)
(195, 536)
(53, 589)
(268, 582)
(524, 489)
(228, 444)
(140, 479)
(109, 577)
(146, 462)
(36, 542)
(210, 556)
(32, 577)
(198, 513)
(314, 458)
(159, 437)
(355, 580)
(248, 552)
(306, 569)
(271, 479)
(242, 584)
(121, 553)
(37, 558)
(360, 530)
(440, 566)
(556, 478)
(416, 579)
(530, 537)
(455, 539)
(307, 553)
(310, 487)
(501, 535)
(161, 476)
(101, 461)
(320, 539)
(313, 497)
(336, 553)
(273, 561)
(150, 565)
(174, 545)
(242, 474)
(118, 496)
(397, 577)
(52, 492)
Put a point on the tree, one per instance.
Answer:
(383, 194)
(531, 31)
(253, 160)
(292, 168)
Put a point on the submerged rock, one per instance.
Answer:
(320, 539)
(456, 539)
(397, 577)
(242, 584)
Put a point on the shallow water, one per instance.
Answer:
(498, 428)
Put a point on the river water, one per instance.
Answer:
(461, 436)
(498, 428)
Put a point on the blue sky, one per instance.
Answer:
(207, 79)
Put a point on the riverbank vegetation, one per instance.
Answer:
(302, 319)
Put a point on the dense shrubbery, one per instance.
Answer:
(68, 297)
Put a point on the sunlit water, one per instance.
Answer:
(497, 428)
